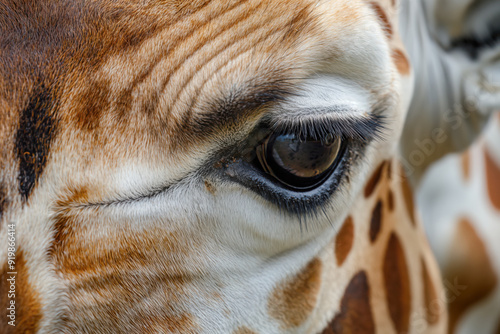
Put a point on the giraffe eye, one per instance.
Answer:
(299, 163)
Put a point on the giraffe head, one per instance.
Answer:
(209, 166)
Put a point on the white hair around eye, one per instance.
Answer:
(326, 95)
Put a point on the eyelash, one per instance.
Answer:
(369, 128)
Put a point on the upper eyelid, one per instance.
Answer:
(330, 104)
(327, 93)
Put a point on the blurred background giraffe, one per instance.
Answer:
(459, 195)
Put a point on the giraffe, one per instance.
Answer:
(463, 229)
(140, 181)
(456, 195)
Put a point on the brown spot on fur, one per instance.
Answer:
(390, 200)
(389, 169)
(386, 25)
(124, 272)
(90, 105)
(210, 187)
(493, 179)
(28, 308)
(75, 196)
(397, 284)
(182, 323)
(401, 62)
(293, 301)
(106, 276)
(34, 136)
(465, 160)
(344, 241)
(300, 22)
(126, 247)
(469, 266)
(355, 314)
(432, 303)
(244, 330)
(408, 195)
(374, 180)
(376, 221)
(62, 230)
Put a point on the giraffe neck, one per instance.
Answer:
(381, 252)
(460, 202)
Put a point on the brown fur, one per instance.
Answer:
(390, 200)
(355, 310)
(100, 275)
(148, 82)
(466, 260)
(408, 195)
(344, 241)
(376, 221)
(384, 20)
(401, 61)
(210, 187)
(374, 180)
(293, 301)
(28, 309)
(397, 284)
(244, 330)
(432, 304)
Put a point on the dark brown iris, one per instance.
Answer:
(297, 162)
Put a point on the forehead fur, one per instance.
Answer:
(153, 68)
